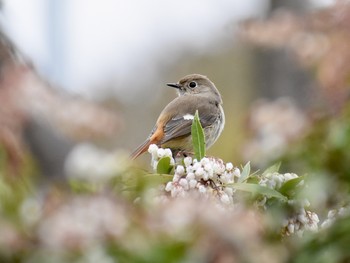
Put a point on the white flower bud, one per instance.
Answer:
(168, 153)
(199, 172)
(188, 161)
(204, 161)
(192, 183)
(169, 186)
(332, 213)
(289, 176)
(160, 153)
(291, 228)
(218, 168)
(229, 166)
(205, 176)
(314, 217)
(184, 183)
(176, 177)
(202, 189)
(152, 149)
(303, 219)
(190, 176)
(196, 166)
(236, 172)
(180, 170)
(225, 199)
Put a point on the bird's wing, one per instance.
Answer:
(180, 125)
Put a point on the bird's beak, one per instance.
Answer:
(174, 85)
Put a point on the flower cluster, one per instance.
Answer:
(334, 214)
(276, 180)
(159, 153)
(274, 125)
(82, 222)
(302, 219)
(90, 163)
(209, 177)
(298, 223)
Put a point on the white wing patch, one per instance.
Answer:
(188, 117)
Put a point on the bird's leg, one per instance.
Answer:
(182, 154)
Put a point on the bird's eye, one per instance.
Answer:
(193, 84)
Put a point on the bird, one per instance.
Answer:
(173, 127)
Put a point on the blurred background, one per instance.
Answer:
(103, 66)
(82, 84)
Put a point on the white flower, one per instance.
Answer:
(199, 172)
(302, 218)
(237, 172)
(187, 161)
(169, 186)
(218, 168)
(204, 161)
(271, 184)
(177, 191)
(202, 189)
(190, 169)
(192, 183)
(196, 166)
(209, 169)
(229, 166)
(225, 199)
(314, 217)
(205, 176)
(184, 183)
(291, 227)
(160, 153)
(154, 165)
(153, 149)
(332, 213)
(289, 176)
(190, 176)
(176, 177)
(226, 178)
(180, 170)
(168, 153)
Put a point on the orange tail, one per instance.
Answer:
(141, 149)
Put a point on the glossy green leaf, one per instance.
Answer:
(258, 189)
(272, 169)
(198, 138)
(164, 166)
(245, 173)
(289, 187)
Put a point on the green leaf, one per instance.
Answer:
(164, 166)
(198, 138)
(289, 187)
(258, 189)
(245, 173)
(272, 169)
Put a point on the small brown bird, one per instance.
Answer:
(173, 127)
